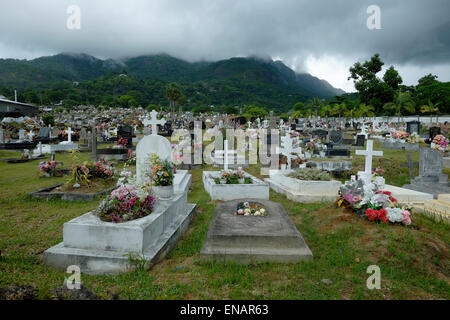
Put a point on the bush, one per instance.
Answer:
(311, 174)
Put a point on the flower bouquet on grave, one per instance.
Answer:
(372, 203)
(413, 138)
(250, 209)
(126, 203)
(82, 174)
(162, 175)
(440, 143)
(48, 168)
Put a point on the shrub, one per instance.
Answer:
(310, 174)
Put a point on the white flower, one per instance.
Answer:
(394, 214)
(247, 211)
(247, 214)
(262, 210)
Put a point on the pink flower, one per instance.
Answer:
(406, 217)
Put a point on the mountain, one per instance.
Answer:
(234, 80)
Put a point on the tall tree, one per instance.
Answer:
(173, 93)
(430, 108)
(403, 102)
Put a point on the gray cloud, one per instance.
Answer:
(414, 32)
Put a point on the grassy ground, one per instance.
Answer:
(414, 261)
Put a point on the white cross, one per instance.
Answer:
(31, 135)
(288, 150)
(154, 122)
(249, 124)
(225, 153)
(368, 153)
(69, 135)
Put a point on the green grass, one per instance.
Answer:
(414, 261)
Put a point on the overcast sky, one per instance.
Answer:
(322, 37)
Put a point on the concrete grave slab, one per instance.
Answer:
(249, 239)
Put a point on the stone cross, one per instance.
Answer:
(249, 124)
(69, 135)
(368, 153)
(411, 165)
(288, 150)
(363, 130)
(154, 122)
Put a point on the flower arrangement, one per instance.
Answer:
(161, 171)
(310, 146)
(413, 138)
(372, 203)
(378, 172)
(250, 209)
(124, 204)
(48, 168)
(440, 143)
(310, 174)
(233, 177)
(401, 135)
(83, 173)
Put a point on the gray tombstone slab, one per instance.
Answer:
(2, 135)
(336, 137)
(249, 239)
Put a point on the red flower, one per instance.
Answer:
(371, 214)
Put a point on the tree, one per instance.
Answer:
(48, 119)
(181, 102)
(402, 103)
(430, 108)
(392, 78)
(299, 106)
(173, 93)
(373, 90)
(364, 111)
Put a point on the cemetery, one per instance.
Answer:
(223, 215)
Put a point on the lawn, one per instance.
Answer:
(414, 261)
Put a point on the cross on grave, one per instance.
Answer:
(411, 165)
(154, 122)
(69, 135)
(249, 124)
(368, 153)
(287, 150)
(225, 152)
(31, 135)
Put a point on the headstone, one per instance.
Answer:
(319, 133)
(360, 140)
(94, 142)
(154, 122)
(150, 144)
(69, 135)
(434, 131)
(368, 153)
(410, 165)
(126, 132)
(44, 134)
(336, 137)
(413, 127)
(2, 135)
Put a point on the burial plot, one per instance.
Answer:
(100, 247)
(431, 179)
(413, 127)
(254, 239)
(335, 148)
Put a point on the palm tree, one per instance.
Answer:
(364, 111)
(325, 111)
(402, 102)
(173, 93)
(316, 105)
(430, 108)
(181, 102)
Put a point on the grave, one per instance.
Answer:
(99, 247)
(250, 239)
(413, 127)
(301, 190)
(431, 179)
(334, 147)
